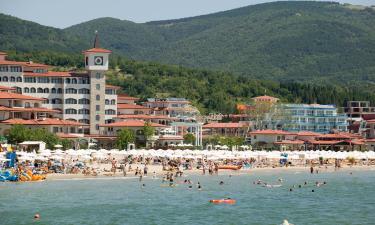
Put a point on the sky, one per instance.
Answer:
(65, 13)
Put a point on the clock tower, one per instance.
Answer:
(96, 64)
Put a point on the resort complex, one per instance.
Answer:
(81, 106)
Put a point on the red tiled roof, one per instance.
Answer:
(100, 50)
(125, 97)
(337, 136)
(48, 74)
(130, 123)
(112, 86)
(3, 88)
(290, 142)
(145, 117)
(130, 106)
(265, 98)
(27, 64)
(308, 133)
(47, 121)
(319, 142)
(224, 125)
(15, 109)
(3, 53)
(271, 132)
(9, 95)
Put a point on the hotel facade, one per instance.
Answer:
(81, 97)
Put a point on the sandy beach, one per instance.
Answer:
(159, 171)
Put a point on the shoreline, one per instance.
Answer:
(159, 172)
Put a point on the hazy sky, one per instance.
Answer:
(64, 13)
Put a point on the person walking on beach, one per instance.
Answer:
(145, 169)
(311, 169)
(114, 166)
(124, 170)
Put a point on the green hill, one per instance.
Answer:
(283, 41)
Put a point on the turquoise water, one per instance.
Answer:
(346, 199)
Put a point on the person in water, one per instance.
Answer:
(311, 170)
(221, 182)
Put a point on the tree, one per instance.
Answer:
(124, 137)
(148, 131)
(189, 138)
(18, 133)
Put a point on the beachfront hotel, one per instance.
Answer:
(314, 117)
(82, 97)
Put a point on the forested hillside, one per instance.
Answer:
(282, 41)
(210, 91)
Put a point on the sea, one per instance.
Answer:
(347, 198)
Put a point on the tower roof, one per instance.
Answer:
(96, 47)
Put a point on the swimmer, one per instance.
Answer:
(154, 175)
(299, 186)
(221, 182)
(37, 216)
(190, 186)
(280, 180)
(290, 189)
(199, 187)
(312, 190)
(305, 183)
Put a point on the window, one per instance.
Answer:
(12, 79)
(71, 91)
(107, 101)
(26, 90)
(97, 97)
(3, 68)
(84, 91)
(85, 121)
(5, 79)
(46, 90)
(74, 80)
(32, 90)
(40, 90)
(70, 111)
(70, 101)
(56, 80)
(53, 90)
(97, 126)
(84, 111)
(30, 80)
(59, 90)
(18, 90)
(97, 75)
(110, 112)
(97, 118)
(84, 101)
(56, 101)
(19, 79)
(46, 101)
(97, 107)
(97, 86)
(27, 104)
(55, 129)
(67, 80)
(43, 80)
(15, 69)
(87, 61)
(113, 102)
(40, 71)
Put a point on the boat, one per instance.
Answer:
(223, 201)
(230, 167)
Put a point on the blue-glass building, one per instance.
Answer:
(314, 117)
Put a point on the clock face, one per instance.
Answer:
(98, 60)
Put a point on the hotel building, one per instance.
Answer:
(81, 97)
